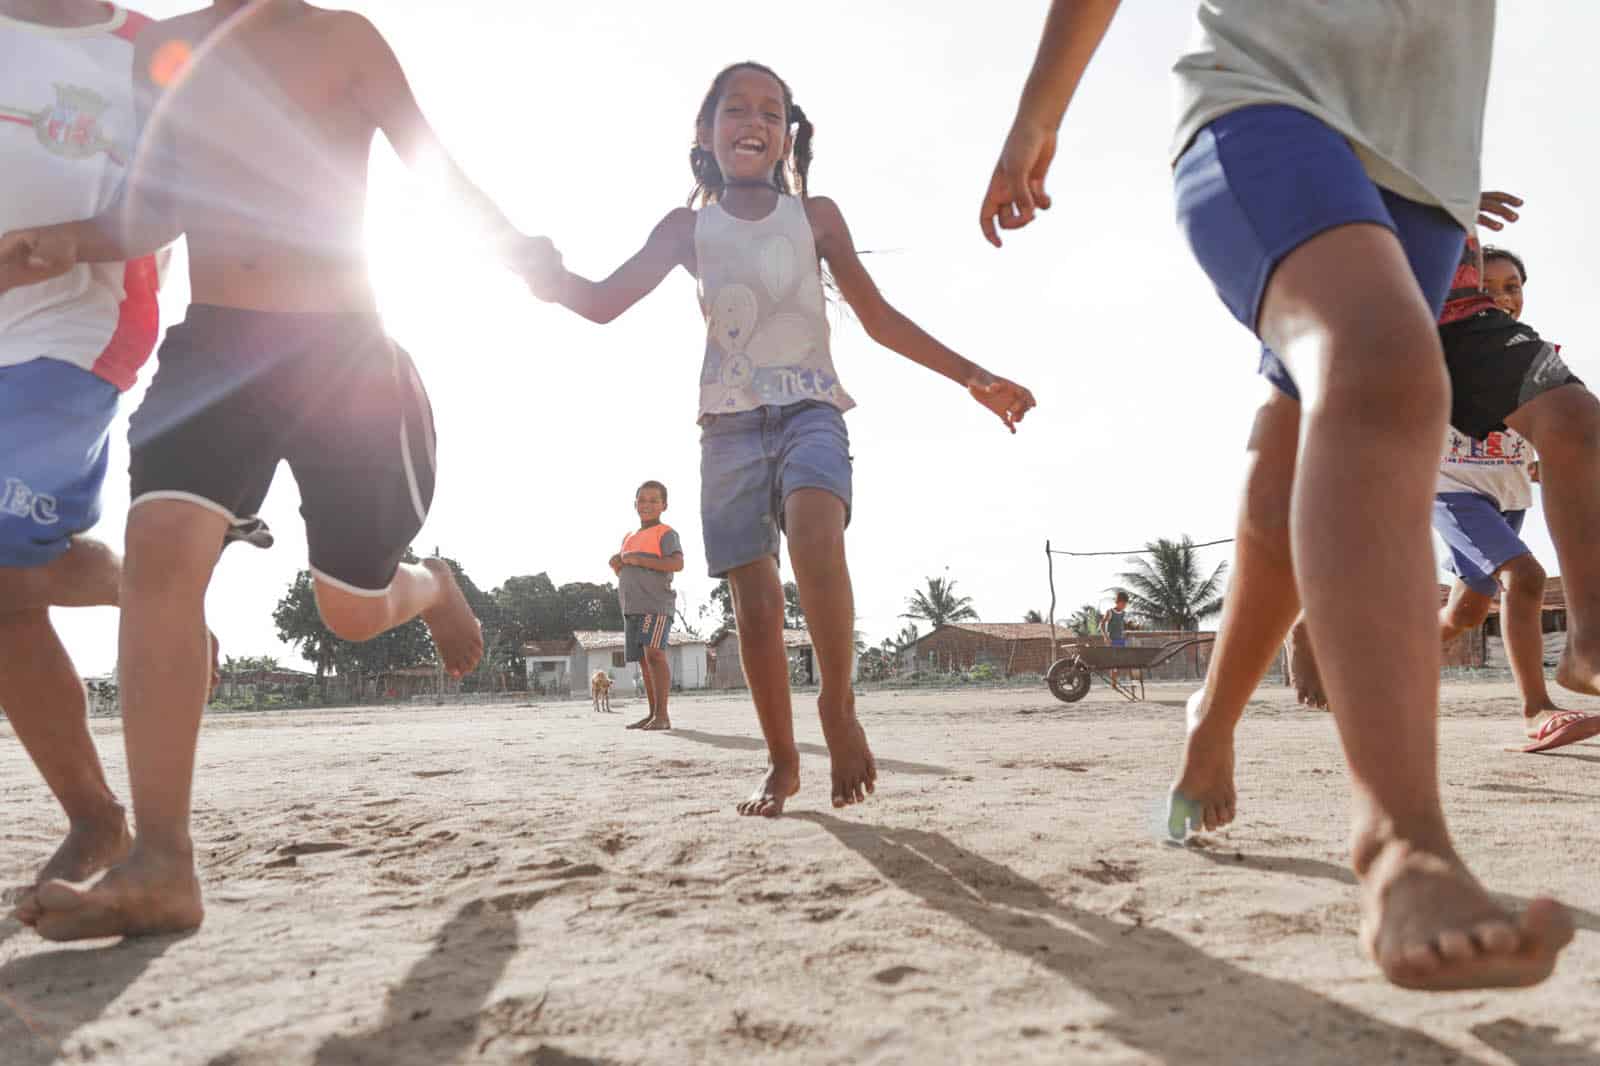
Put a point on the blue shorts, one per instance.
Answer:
(750, 461)
(1259, 182)
(641, 631)
(55, 426)
(1481, 537)
(1119, 642)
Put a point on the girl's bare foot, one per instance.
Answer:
(91, 846)
(657, 724)
(146, 895)
(641, 723)
(1203, 796)
(855, 771)
(453, 626)
(774, 791)
(1303, 672)
(1429, 925)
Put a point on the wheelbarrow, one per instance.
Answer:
(1069, 676)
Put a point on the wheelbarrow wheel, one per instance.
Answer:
(1068, 680)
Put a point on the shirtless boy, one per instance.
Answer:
(257, 121)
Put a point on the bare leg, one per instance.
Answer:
(649, 696)
(163, 654)
(1261, 604)
(758, 612)
(814, 521)
(658, 677)
(427, 589)
(46, 705)
(1564, 426)
(1367, 356)
(1303, 672)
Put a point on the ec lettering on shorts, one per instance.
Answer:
(17, 499)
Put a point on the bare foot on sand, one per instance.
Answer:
(90, 847)
(855, 771)
(453, 626)
(1303, 672)
(144, 896)
(1429, 925)
(1578, 672)
(641, 723)
(774, 791)
(656, 725)
(1203, 796)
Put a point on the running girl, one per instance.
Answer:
(775, 454)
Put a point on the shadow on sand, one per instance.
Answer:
(738, 743)
(1162, 990)
(434, 1014)
(1328, 871)
(45, 998)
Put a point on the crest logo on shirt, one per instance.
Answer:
(72, 127)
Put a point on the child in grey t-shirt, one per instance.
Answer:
(644, 567)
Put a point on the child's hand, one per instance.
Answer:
(616, 564)
(1005, 398)
(30, 256)
(1497, 203)
(539, 263)
(1017, 188)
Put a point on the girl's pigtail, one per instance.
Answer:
(802, 148)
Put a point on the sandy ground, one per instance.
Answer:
(533, 885)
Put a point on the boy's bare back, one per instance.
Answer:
(258, 148)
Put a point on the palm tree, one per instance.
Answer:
(1165, 588)
(1085, 621)
(940, 604)
(1033, 616)
(906, 637)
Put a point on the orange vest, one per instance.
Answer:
(645, 541)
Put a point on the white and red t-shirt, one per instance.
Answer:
(67, 128)
(1496, 467)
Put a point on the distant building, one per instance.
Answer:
(567, 665)
(729, 671)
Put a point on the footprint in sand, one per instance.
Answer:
(895, 974)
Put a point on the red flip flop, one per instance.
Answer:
(1565, 728)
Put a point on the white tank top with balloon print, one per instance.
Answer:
(766, 325)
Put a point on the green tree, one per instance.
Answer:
(793, 616)
(1165, 588)
(1085, 621)
(1033, 616)
(939, 605)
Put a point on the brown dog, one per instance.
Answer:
(600, 691)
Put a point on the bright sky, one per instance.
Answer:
(577, 119)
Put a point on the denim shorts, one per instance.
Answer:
(1481, 537)
(1259, 182)
(55, 429)
(750, 461)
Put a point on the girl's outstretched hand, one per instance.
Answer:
(1017, 189)
(1491, 204)
(28, 257)
(1005, 398)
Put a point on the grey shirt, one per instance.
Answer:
(646, 591)
(1404, 81)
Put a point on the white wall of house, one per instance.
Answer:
(549, 671)
(689, 667)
